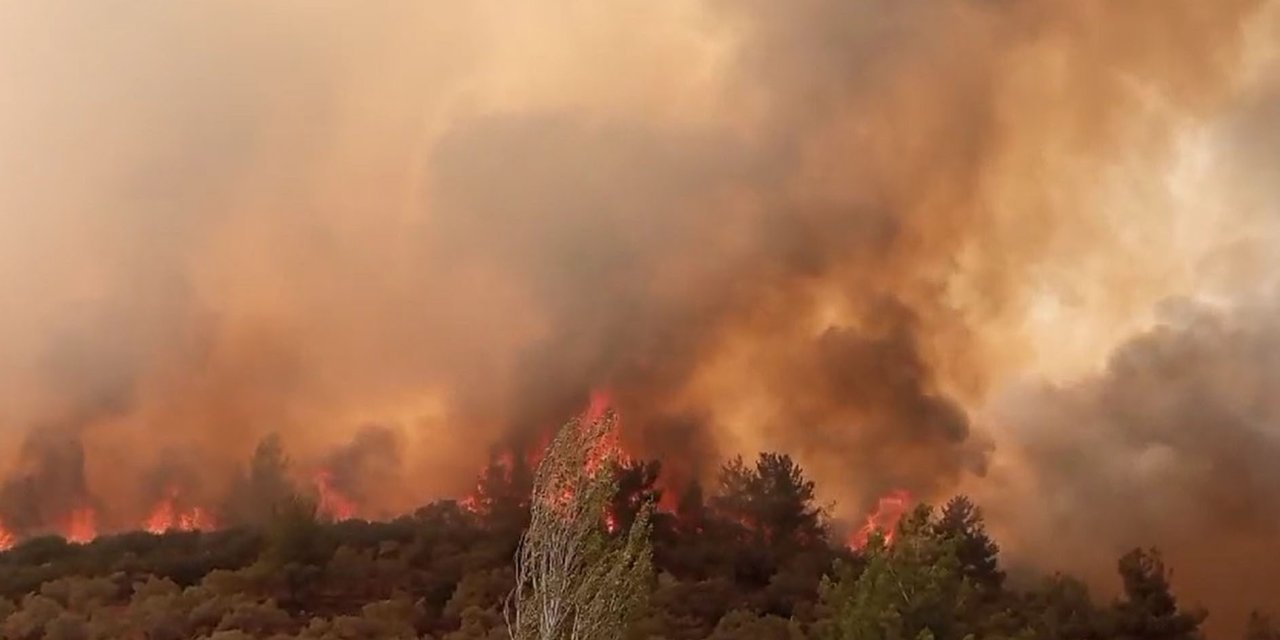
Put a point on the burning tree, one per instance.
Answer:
(575, 581)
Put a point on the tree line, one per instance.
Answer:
(574, 550)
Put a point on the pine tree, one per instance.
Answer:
(294, 533)
(732, 496)
(784, 501)
(978, 553)
(501, 496)
(912, 590)
(637, 487)
(773, 501)
(691, 510)
(258, 492)
(1149, 611)
(1061, 609)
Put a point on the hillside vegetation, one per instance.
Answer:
(753, 557)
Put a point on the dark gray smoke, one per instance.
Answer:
(1173, 444)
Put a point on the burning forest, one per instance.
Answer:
(374, 256)
(340, 490)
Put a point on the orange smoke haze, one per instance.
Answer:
(918, 245)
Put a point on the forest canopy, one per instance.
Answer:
(753, 557)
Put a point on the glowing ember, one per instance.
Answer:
(81, 525)
(610, 522)
(332, 502)
(884, 518)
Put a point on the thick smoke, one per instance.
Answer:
(47, 483)
(1174, 440)
(1174, 443)
(366, 471)
(826, 227)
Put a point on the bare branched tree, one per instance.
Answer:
(574, 579)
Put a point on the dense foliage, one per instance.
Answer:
(576, 579)
(751, 559)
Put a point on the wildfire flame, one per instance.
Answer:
(172, 513)
(7, 539)
(603, 452)
(168, 516)
(884, 518)
(332, 502)
(598, 403)
(503, 463)
(608, 448)
(470, 503)
(195, 519)
(81, 525)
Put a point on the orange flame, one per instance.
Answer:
(332, 502)
(81, 525)
(598, 403)
(167, 516)
(889, 510)
(7, 539)
(598, 455)
(504, 463)
(161, 518)
(608, 448)
(196, 519)
(470, 503)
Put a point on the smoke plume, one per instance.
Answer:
(1174, 442)
(857, 232)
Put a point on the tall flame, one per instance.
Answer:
(608, 448)
(161, 517)
(599, 402)
(81, 525)
(7, 539)
(600, 454)
(332, 502)
(196, 519)
(884, 518)
(168, 516)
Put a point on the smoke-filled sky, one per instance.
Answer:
(1023, 249)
